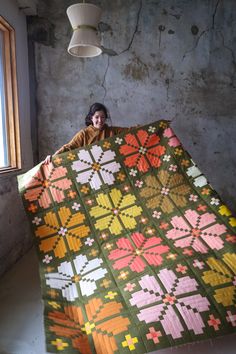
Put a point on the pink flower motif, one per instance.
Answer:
(129, 287)
(138, 184)
(47, 259)
(47, 185)
(193, 198)
(128, 256)
(172, 303)
(214, 322)
(181, 268)
(154, 335)
(192, 232)
(173, 140)
(173, 168)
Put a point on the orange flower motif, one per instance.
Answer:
(62, 232)
(71, 324)
(206, 191)
(68, 324)
(106, 327)
(47, 185)
(143, 150)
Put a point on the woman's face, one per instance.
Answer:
(99, 119)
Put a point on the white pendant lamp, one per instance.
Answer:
(84, 19)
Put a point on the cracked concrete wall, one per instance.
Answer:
(15, 236)
(170, 59)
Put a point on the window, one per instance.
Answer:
(9, 117)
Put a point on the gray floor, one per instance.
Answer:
(21, 322)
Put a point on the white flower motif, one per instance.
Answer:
(86, 275)
(76, 206)
(193, 198)
(231, 318)
(96, 167)
(142, 150)
(165, 191)
(194, 172)
(138, 184)
(133, 172)
(89, 241)
(63, 231)
(151, 129)
(47, 259)
(198, 264)
(173, 168)
(215, 201)
(118, 140)
(156, 214)
(166, 158)
(36, 220)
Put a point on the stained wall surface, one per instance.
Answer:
(15, 238)
(162, 59)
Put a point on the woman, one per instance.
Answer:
(96, 130)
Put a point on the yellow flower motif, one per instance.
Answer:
(121, 176)
(71, 156)
(223, 210)
(232, 221)
(62, 230)
(93, 252)
(54, 304)
(108, 246)
(129, 342)
(60, 345)
(110, 295)
(107, 144)
(178, 151)
(123, 275)
(105, 283)
(52, 293)
(221, 275)
(84, 189)
(50, 269)
(57, 160)
(185, 163)
(172, 256)
(115, 213)
(88, 327)
(163, 125)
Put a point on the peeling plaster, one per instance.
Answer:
(136, 69)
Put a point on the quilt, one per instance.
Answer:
(136, 249)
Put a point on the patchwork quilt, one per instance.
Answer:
(136, 250)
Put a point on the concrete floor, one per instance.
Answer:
(21, 321)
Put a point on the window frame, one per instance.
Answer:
(11, 97)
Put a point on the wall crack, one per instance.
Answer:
(204, 32)
(135, 30)
(104, 79)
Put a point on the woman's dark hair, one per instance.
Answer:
(94, 108)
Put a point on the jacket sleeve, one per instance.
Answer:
(76, 142)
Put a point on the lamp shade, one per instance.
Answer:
(84, 19)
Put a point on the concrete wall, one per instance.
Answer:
(15, 238)
(171, 59)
